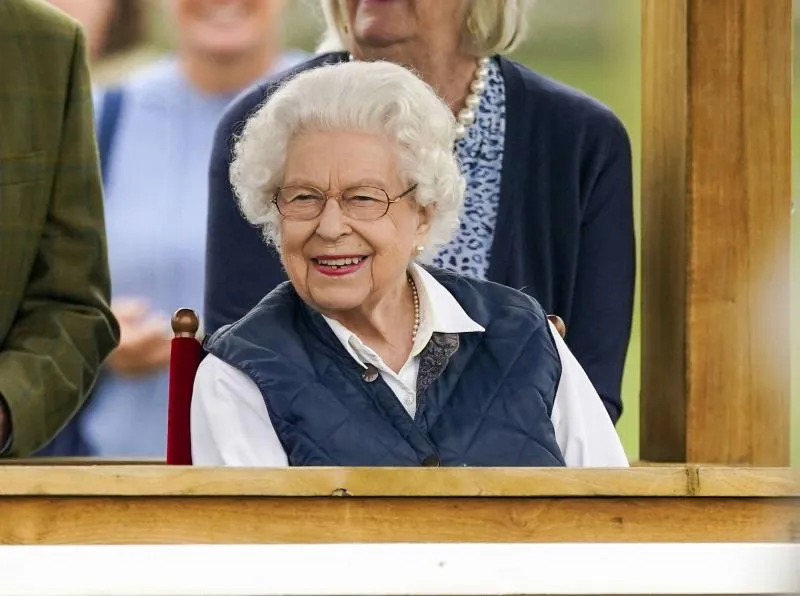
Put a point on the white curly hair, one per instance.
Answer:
(372, 97)
(489, 27)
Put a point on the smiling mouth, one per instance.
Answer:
(338, 266)
(339, 263)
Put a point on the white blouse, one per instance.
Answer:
(230, 425)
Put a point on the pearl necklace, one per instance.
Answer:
(415, 298)
(467, 115)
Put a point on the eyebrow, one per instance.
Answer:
(363, 182)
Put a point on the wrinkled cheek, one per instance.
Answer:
(298, 272)
(289, 243)
(295, 266)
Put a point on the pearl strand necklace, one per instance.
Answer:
(467, 115)
(415, 299)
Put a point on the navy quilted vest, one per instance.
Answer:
(490, 406)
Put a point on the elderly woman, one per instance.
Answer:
(548, 205)
(366, 358)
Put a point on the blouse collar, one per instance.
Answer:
(440, 312)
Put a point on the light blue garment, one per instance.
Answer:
(156, 205)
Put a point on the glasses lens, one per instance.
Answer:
(299, 202)
(365, 202)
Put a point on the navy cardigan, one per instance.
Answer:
(564, 230)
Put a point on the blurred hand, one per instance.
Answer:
(144, 341)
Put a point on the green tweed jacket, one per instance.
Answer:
(55, 324)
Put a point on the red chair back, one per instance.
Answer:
(185, 356)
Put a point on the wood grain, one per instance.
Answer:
(753, 482)
(662, 481)
(662, 400)
(716, 228)
(83, 461)
(238, 520)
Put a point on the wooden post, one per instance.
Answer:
(716, 227)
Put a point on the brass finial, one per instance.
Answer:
(185, 323)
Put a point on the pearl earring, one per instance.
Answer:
(419, 248)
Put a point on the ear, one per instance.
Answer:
(425, 215)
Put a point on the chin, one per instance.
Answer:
(380, 39)
(329, 302)
(330, 307)
(224, 46)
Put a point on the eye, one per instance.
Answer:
(365, 195)
(304, 197)
(300, 195)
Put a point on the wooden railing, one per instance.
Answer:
(423, 531)
(176, 505)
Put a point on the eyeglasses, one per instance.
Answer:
(364, 203)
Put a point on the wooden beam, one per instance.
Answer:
(176, 481)
(176, 505)
(716, 228)
(171, 504)
(303, 520)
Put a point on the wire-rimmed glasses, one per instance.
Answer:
(364, 203)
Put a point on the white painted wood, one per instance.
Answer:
(412, 569)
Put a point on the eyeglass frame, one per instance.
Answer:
(338, 196)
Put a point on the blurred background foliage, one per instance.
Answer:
(594, 45)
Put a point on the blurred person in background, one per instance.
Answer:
(155, 134)
(110, 26)
(549, 204)
(56, 326)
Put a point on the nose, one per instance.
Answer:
(332, 225)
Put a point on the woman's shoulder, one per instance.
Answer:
(273, 316)
(155, 75)
(567, 108)
(486, 301)
(155, 82)
(249, 100)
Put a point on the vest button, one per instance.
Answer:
(431, 461)
(370, 374)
